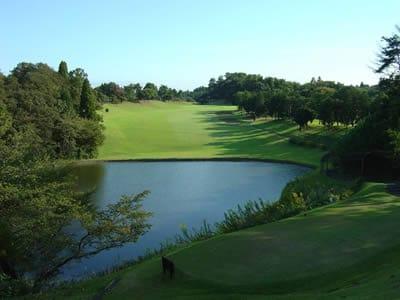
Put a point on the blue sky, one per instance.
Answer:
(185, 43)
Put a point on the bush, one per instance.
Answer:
(186, 236)
(315, 190)
(250, 214)
(301, 194)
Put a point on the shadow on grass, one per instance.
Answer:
(236, 136)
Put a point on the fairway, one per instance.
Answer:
(159, 130)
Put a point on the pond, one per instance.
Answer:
(182, 192)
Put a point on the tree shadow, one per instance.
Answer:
(237, 136)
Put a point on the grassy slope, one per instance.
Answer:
(174, 130)
(345, 249)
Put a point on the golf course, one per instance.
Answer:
(200, 150)
(346, 249)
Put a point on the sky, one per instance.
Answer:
(185, 43)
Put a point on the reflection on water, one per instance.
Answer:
(181, 193)
(89, 175)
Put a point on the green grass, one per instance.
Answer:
(348, 249)
(319, 135)
(176, 130)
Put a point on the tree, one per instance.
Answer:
(278, 104)
(112, 92)
(63, 69)
(76, 79)
(378, 130)
(252, 103)
(66, 98)
(166, 93)
(87, 107)
(133, 92)
(302, 116)
(40, 201)
(149, 92)
(201, 94)
(389, 57)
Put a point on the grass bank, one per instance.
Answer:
(158, 130)
(347, 249)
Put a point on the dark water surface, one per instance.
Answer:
(181, 193)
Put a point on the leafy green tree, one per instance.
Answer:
(242, 100)
(40, 201)
(278, 104)
(201, 95)
(112, 92)
(133, 92)
(149, 92)
(303, 116)
(378, 131)
(165, 93)
(252, 103)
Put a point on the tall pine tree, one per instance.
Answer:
(87, 108)
(63, 69)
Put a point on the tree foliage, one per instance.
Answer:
(87, 107)
(46, 118)
(63, 69)
(389, 57)
(303, 116)
(332, 103)
(40, 99)
(112, 92)
(378, 131)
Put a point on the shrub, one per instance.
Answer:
(316, 190)
(250, 214)
(301, 194)
(186, 236)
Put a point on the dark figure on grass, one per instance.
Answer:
(168, 266)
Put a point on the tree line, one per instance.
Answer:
(330, 102)
(134, 92)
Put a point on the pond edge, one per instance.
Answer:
(224, 159)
